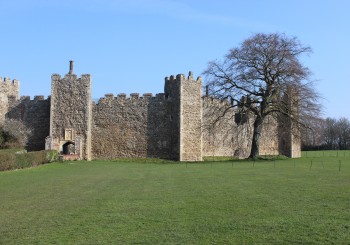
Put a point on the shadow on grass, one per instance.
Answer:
(233, 159)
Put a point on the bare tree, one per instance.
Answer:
(312, 137)
(342, 129)
(265, 69)
(14, 134)
(330, 134)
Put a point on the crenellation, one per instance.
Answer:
(72, 77)
(121, 96)
(147, 95)
(190, 75)
(9, 81)
(35, 98)
(211, 100)
(9, 87)
(55, 77)
(39, 97)
(180, 77)
(109, 96)
(25, 97)
(134, 96)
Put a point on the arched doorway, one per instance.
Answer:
(68, 148)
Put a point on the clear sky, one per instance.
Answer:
(131, 45)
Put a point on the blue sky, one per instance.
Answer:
(131, 45)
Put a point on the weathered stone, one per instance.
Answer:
(178, 124)
(71, 112)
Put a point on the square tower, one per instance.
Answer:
(70, 115)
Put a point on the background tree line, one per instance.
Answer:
(327, 134)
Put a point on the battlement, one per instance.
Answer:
(215, 101)
(9, 86)
(182, 77)
(9, 81)
(132, 97)
(57, 77)
(36, 98)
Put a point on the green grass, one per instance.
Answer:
(333, 153)
(303, 201)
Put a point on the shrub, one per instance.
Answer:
(51, 156)
(36, 158)
(7, 161)
(14, 134)
(11, 160)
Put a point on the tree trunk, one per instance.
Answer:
(254, 151)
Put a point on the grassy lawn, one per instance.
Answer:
(304, 201)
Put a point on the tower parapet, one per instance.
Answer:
(9, 86)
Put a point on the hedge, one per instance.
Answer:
(18, 160)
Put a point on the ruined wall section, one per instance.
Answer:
(71, 113)
(289, 129)
(217, 134)
(229, 132)
(132, 127)
(225, 133)
(35, 114)
(269, 139)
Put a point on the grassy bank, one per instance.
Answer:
(116, 202)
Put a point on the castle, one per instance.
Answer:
(177, 124)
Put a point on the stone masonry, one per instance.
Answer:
(71, 114)
(179, 124)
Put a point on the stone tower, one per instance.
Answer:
(290, 130)
(70, 115)
(9, 92)
(186, 96)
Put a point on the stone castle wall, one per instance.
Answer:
(218, 135)
(179, 124)
(232, 134)
(35, 115)
(133, 127)
(165, 126)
